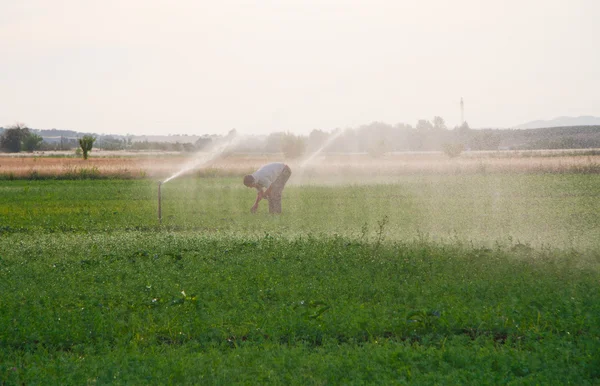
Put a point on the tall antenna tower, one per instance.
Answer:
(462, 111)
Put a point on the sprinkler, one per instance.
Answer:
(159, 211)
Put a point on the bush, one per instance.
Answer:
(453, 150)
(31, 142)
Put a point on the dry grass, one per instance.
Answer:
(162, 165)
(415, 163)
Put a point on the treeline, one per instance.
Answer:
(375, 138)
(378, 138)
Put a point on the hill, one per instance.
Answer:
(584, 120)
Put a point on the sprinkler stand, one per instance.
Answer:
(159, 210)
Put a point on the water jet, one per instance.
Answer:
(201, 158)
(328, 142)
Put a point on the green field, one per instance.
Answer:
(478, 279)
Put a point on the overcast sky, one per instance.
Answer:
(196, 67)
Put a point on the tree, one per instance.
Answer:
(32, 142)
(316, 139)
(424, 125)
(402, 126)
(292, 146)
(86, 143)
(439, 123)
(484, 140)
(188, 147)
(274, 142)
(203, 142)
(12, 137)
(110, 143)
(377, 148)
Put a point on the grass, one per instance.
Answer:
(557, 210)
(133, 305)
(478, 279)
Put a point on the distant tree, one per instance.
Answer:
(348, 141)
(188, 147)
(60, 143)
(177, 146)
(274, 142)
(12, 137)
(377, 148)
(203, 142)
(231, 134)
(439, 123)
(370, 136)
(452, 150)
(316, 139)
(110, 143)
(32, 142)
(292, 146)
(464, 126)
(86, 143)
(424, 125)
(484, 140)
(402, 126)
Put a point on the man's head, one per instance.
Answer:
(249, 181)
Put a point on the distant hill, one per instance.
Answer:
(584, 120)
(165, 138)
(59, 133)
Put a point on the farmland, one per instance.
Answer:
(401, 270)
(343, 167)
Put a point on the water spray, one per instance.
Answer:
(204, 158)
(328, 142)
(199, 160)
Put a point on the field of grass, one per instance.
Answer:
(557, 210)
(470, 278)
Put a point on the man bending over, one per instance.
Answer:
(269, 181)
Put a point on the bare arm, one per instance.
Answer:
(259, 196)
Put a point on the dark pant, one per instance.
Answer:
(276, 190)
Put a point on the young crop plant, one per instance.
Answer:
(444, 283)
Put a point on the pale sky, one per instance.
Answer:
(205, 67)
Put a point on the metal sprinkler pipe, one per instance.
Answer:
(159, 210)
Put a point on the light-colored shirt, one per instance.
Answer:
(267, 174)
